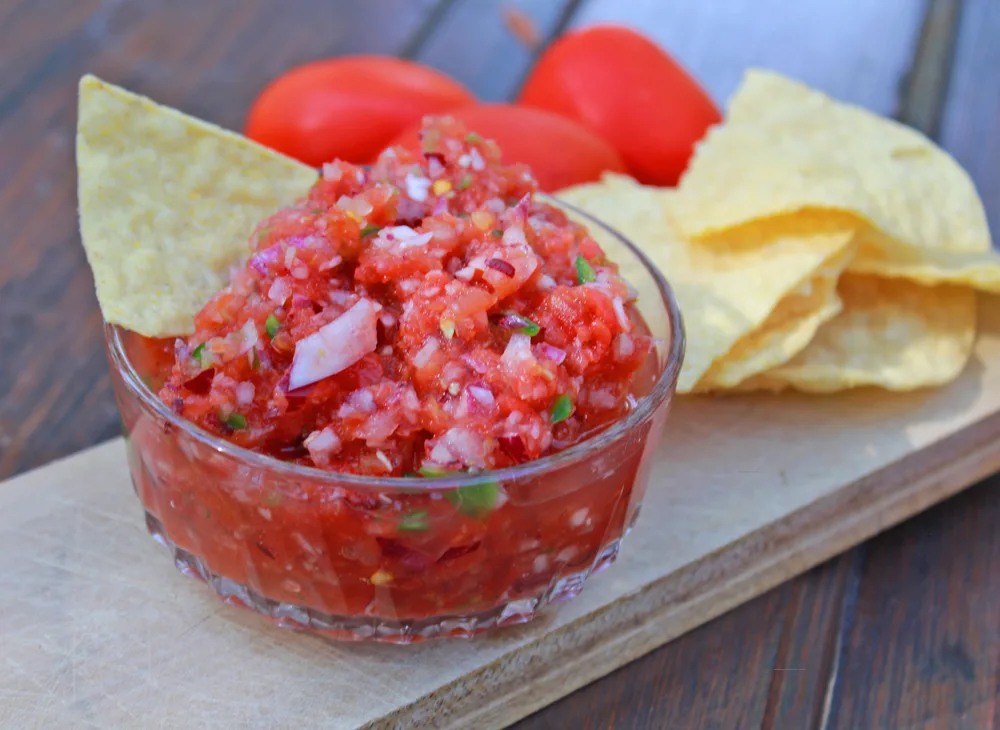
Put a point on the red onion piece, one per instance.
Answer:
(260, 260)
(551, 353)
(502, 266)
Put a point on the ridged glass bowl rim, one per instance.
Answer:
(647, 406)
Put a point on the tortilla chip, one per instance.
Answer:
(892, 333)
(784, 334)
(786, 148)
(725, 290)
(879, 255)
(167, 205)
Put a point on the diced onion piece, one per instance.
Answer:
(425, 353)
(331, 264)
(335, 346)
(248, 336)
(322, 444)
(244, 393)
(280, 291)
(357, 205)
(417, 187)
(333, 171)
(623, 320)
(495, 204)
(416, 241)
(514, 236)
(481, 394)
(551, 353)
(518, 350)
(262, 259)
(623, 347)
(478, 163)
(460, 444)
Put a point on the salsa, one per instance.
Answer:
(425, 317)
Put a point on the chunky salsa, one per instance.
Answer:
(422, 317)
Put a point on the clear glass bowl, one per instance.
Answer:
(392, 559)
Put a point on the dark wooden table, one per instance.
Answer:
(902, 632)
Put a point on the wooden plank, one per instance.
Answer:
(685, 684)
(762, 665)
(208, 58)
(98, 627)
(923, 647)
(474, 44)
(969, 126)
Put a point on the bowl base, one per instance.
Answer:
(376, 628)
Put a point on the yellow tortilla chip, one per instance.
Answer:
(786, 148)
(725, 290)
(879, 255)
(892, 333)
(784, 334)
(167, 205)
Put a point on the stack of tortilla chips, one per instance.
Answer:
(812, 245)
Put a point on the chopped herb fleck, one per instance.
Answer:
(235, 421)
(496, 233)
(369, 230)
(271, 325)
(196, 352)
(414, 522)
(527, 326)
(584, 271)
(562, 408)
(473, 138)
(474, 500)
(256, 360)
(465, 182)
(432, 471)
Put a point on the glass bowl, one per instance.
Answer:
(394, 559)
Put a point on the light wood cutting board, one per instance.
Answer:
(97, 629)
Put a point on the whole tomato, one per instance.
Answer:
(559, 151)
(348, 108)
(625, 88)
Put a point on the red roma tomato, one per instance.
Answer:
(625, 88)
(559, 151)
(348, 108)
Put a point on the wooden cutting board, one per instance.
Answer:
(97, 629)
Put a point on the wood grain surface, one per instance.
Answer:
(735, 506)
(210, 58)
